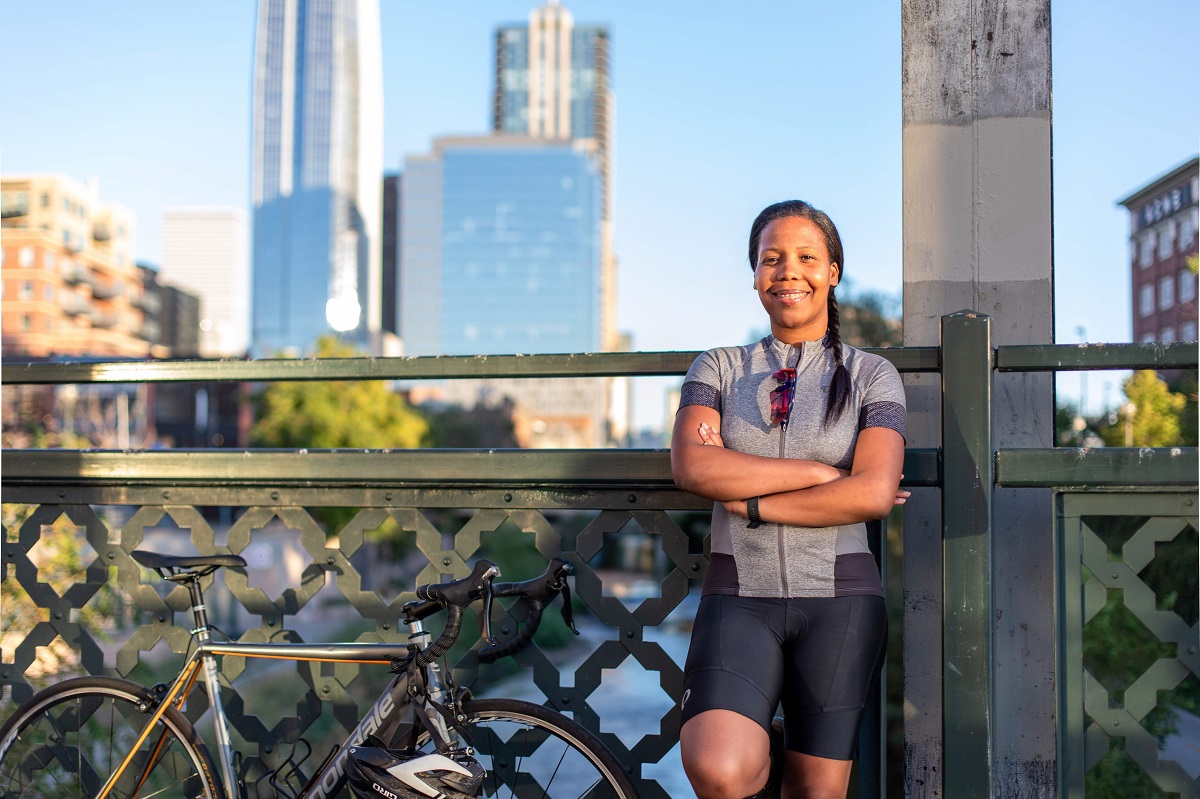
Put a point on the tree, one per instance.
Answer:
(336, 414)
(1154, 420)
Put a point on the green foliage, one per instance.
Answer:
(353, 414)
(1156, 420)
(336, 414)
(1188, 418)
(871, 319)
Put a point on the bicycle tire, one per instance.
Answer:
(527, 751)
(67, 739)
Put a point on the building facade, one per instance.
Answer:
(1164, 217)
(501, 254)
(317, 165)
(71, 285)
(206, 252)
(501, 248)
(552, 83)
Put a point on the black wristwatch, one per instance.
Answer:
(752, 513)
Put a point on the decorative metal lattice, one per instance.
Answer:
(1131, 643)
(76, 602)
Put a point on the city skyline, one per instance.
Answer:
(717, 118)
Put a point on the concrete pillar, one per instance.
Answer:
(978, 236)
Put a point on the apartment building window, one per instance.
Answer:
(1166, 240)
(26, 322)
(49, 292)
(1147, 338)
(1146, 299)
(1187, 229)
(45, 199)
(1187, 331)
(1166, 293)
(25, 257)
(48, 260)
(1147, 248)
(14, 203)
(1187, 286)
(27, 289)
(1166, 335)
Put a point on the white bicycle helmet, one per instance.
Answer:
(377, 773)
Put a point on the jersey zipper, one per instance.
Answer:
(779, 539)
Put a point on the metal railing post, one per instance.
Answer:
(968, 472)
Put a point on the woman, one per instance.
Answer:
(799, 439)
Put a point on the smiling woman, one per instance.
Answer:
(799, 439)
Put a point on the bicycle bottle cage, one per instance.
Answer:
(284, 782)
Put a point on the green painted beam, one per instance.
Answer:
(1085, 357)
(1125, 467)
(343, 467)
(596, 364)
(431, 468)
(968, 684)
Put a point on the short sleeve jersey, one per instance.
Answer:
(777, 560)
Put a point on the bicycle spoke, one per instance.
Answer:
(553, 774)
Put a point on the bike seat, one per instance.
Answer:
(153, 560)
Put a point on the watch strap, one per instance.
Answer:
(752, 513)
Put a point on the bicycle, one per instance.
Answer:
(99, 737)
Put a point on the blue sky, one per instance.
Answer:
(721, 108)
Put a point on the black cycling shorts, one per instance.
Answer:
(819, 657)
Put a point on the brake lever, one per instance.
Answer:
(567, 614)
(489, 595)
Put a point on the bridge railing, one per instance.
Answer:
(360, 528)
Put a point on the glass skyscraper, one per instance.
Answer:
(552, 84)
(501, 248)
(318, 160)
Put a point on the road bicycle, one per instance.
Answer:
(101, 737)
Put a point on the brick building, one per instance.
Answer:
(1163, 223)
(71, 286)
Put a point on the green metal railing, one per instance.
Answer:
(450, 504)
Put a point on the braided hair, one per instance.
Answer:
(839, 388)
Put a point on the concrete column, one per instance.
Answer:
(978, 236)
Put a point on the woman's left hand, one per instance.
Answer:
(710, 436)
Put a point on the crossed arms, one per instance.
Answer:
(794, 492)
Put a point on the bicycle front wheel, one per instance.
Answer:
(532, 751)
(67, 740)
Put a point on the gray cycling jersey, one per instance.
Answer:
(777, 560)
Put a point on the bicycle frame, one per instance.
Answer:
(331, 777)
